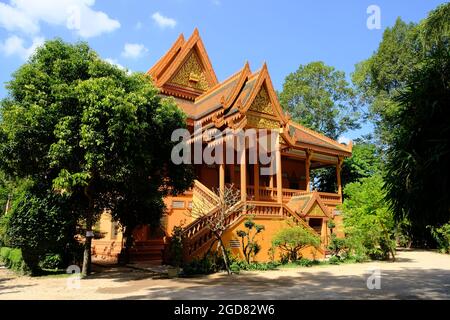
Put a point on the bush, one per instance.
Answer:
(205, 265)
(303, 262)
(176, 247)
(41, 223)
(334, 260)
(51, 262)
(368, 219)
(442, 237)
(12, 258)
(238, 266)
(293, 239)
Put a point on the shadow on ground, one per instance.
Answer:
(395, 284)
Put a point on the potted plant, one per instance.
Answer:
(176, 252)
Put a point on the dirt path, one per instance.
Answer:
(416, 275)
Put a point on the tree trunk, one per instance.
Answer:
(225, 255)
(125, 252)
(87, 257)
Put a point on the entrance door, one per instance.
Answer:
(316, 224)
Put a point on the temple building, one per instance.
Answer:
(245, 100)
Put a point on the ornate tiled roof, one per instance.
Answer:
(245, 99)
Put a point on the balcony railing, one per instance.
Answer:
(270, 194)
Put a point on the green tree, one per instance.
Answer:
(250, 247)
(365, 161)
(417, 177)
(319, 97)
(368, 220)
(379, 78)
(92, 132)
(293, 239)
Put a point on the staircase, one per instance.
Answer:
(199, 237)
(149, 251)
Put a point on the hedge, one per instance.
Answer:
(12, 258)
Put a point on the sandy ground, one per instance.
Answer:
(415, 275)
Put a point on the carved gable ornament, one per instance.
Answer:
(316, 211)
(191, 74)
(262, 102)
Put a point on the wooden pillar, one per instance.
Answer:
(279, 172)
(221, 178)
(338, 175)
(256, 180)
(309, 154)
(243, 175)
(324, 233)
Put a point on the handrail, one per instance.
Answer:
(198, 235)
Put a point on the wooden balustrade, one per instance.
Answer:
(197, 234)
(330, 198)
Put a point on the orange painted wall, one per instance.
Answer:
(177, 216)
(272, 225)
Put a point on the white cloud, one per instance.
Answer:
(164, 22)
(114, 62)
(14, 45)
(133, 50)
(343, 139)
(78, 15)
(216, 2)
(15, 20)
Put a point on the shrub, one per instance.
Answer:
(206, 265)
(442, 236)
(294, 238)
(334, 260)
(368, 219)
(303, 262)
(51, 261)
(238, 266)
(41, 223)
(176, 247)
(12, 258)
(338, 246)
(250, 246)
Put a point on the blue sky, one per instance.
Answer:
(136, 33)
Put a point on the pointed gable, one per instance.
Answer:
(262, 103)
(309, 205)
(185, 71)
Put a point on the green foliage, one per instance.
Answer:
(238, 266)
(442, 237)
(211, 263)
(418, 174)
(12, 258)
(337, 245)
(250, 246)
(294, 238)
(319, 97)
(368, 221)
(303, 262)
(365, 161)
(334, 260)
(379, 78)
(86, 129)
(176, 247)
(41, 223)
(51, 262)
